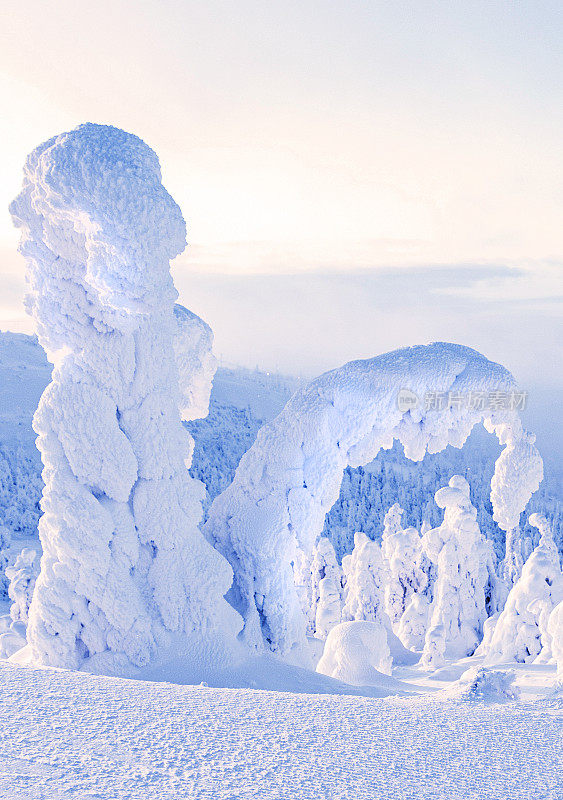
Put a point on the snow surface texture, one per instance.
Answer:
(123, 563)
(460, 552)
(291, 476)
(98, 737)
(522, 631)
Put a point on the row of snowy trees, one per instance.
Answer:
(439, 591)
(126, 573)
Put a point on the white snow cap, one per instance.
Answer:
(291, 476)
(124, 564)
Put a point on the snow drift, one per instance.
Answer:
(124, 564)
(291, 476)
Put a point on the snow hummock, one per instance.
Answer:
(124, 564)
(480, 683)
(291, 476)
(357, 653)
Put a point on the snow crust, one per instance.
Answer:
(123, 563)
(291, 476)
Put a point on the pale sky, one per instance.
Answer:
(355, 175)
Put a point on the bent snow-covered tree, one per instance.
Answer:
(124, 563)
(291, 476)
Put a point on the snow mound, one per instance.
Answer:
(479, 683)
(357, 653)
(291, 476)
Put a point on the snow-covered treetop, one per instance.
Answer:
(291, 476)
(97, 220)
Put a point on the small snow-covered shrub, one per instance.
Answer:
(479, 683)
(356, 653)
(522, 633)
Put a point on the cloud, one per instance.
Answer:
(526, 283)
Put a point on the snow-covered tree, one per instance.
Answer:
(326, 588)
(318, 579)
(459, 550)
(402, 551)
(365, 578)
(291, 476)
(522, 631)
(124, 564)
(5, 540)
(22, 575)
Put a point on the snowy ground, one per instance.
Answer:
(71, 735)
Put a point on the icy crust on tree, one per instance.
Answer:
(193, 348)
(523, 631)
(124, 563)
(290, 478)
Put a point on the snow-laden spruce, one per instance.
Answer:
(523, 631)
(402, 551)
(365, 579)
(459, 550)
(291, 476)
(124, 564)
(324, 596)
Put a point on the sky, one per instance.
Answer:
(355, 176)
